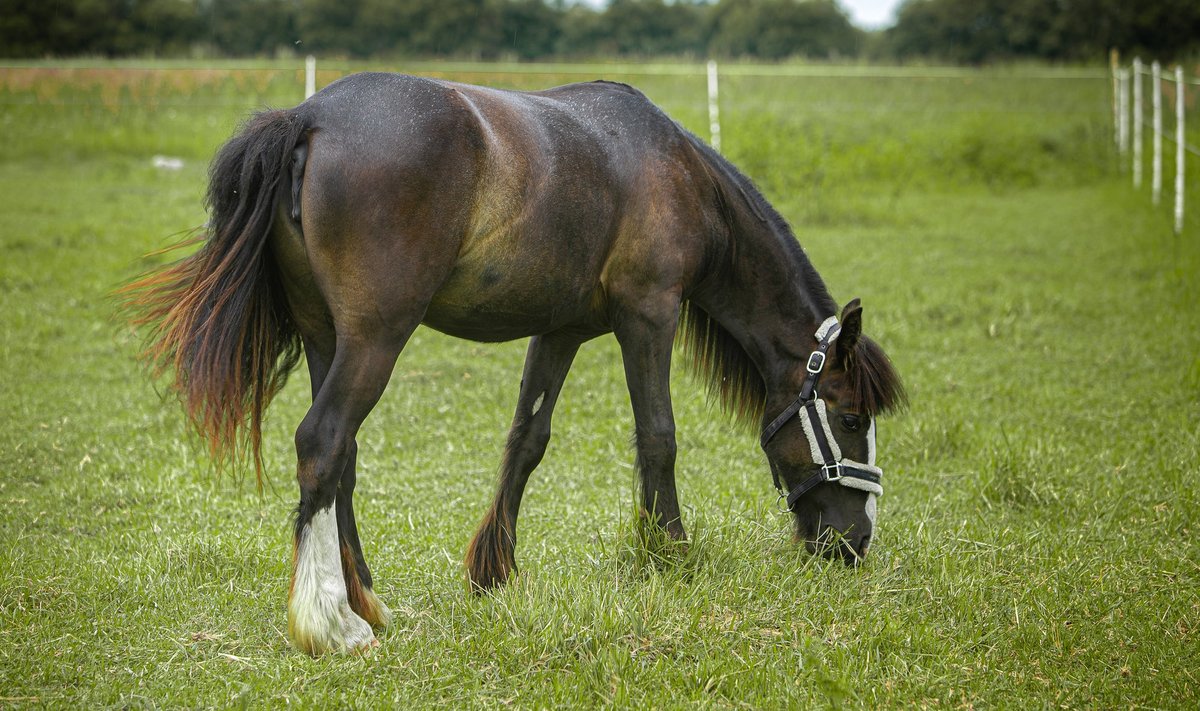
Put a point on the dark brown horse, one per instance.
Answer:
(387, 201)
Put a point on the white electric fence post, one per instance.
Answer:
(310, 76)
(1124, 132)
(1137, 123)
(714, 115)
(1156, 103)
(1180, 145)
(1115, 66)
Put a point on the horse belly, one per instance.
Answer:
(502, 300)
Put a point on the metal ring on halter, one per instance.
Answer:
(782, 509)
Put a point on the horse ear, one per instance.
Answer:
(851, 320)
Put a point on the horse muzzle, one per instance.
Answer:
(833, 544)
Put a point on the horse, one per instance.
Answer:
(386, 201)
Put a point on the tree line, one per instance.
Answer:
(979, 31)
(964, 31)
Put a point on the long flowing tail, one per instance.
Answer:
(218, 320)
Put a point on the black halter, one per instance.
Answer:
(829, 467)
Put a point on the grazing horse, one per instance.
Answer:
(387, 201)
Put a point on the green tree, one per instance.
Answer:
(25, 27)
(328, 25)
(650, 27)
(528, 28)
(66, 27)
(583, 32)
(776, 29)
(250, 27)
(976, 31)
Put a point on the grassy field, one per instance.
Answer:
(1038, 542)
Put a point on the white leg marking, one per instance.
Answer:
(319, 615)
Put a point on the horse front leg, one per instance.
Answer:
(320, 617)
(646, 333)
(490, 555)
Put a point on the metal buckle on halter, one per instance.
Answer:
(833, 471)
(816, 362)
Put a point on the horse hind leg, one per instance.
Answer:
(320, 616)
(359, 586)
(490, 556)
(360, 591)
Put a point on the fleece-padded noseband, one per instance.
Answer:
(826, 455)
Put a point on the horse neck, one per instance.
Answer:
(766, 293)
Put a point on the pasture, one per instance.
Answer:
(1037, 542)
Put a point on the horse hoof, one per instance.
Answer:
(321, 629)
(368, 648)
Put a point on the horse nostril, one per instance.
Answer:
(864, 545)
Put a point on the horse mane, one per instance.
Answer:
(733, 378)
(874, 385)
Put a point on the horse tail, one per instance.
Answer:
(218, 319)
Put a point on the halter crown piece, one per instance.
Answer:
(826, 455)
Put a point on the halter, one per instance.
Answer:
(826, 455)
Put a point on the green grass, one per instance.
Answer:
(1038, 539)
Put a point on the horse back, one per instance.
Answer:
(537, 206)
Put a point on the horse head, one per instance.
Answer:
(821, 446)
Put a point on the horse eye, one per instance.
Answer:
(851, 422)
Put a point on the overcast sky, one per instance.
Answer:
(867, 14)
(871, 14)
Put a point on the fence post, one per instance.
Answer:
(1124, 123)
(1137, 123)
(1180, 145)
(1114, 62)
(1156, 103)
(714, 112)
(310, 76)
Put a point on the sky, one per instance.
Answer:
(867, 14)
(871, 14)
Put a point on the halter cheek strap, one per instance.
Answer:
(825, 335)
(832, 466)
